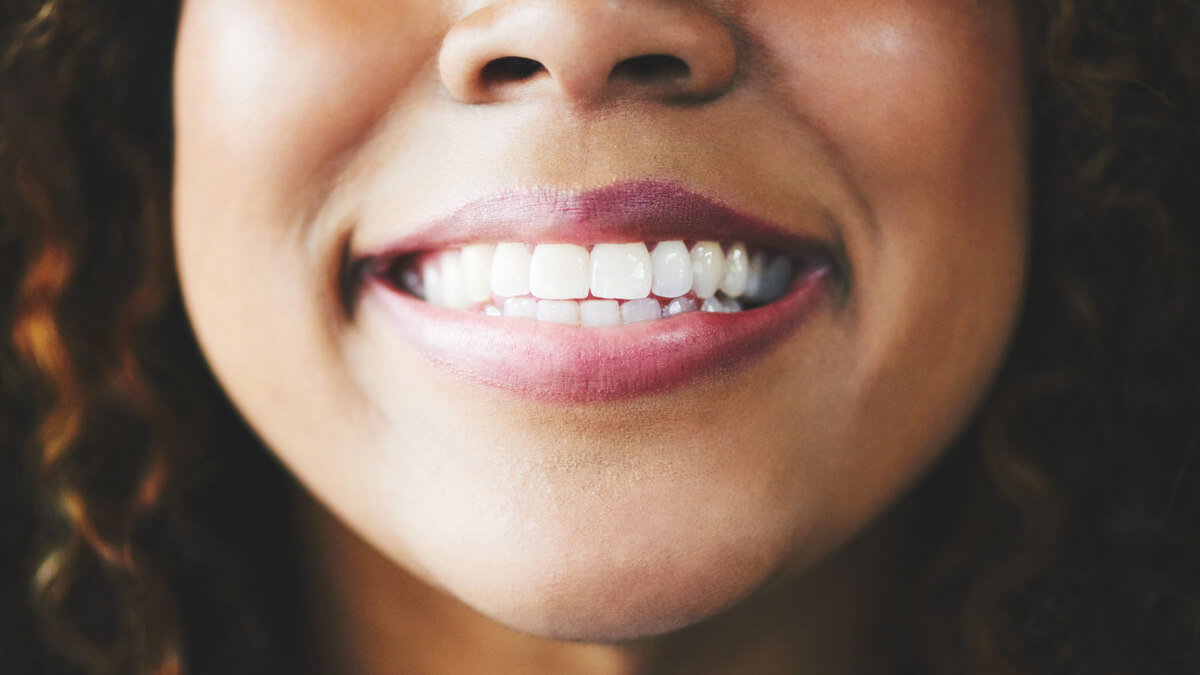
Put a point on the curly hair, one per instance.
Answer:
(109, 419)
(123, 528)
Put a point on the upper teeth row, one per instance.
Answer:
(474, 274)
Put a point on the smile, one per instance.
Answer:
(672, 287)
(602, 285)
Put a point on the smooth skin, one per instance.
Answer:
(725, 526)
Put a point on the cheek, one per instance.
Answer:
(271, 96)
(915, 95)
(923, 102)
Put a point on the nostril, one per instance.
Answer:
(652, 69)
(588, 53)
(510, 69)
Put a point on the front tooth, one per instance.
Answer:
(680, 306)
(600, 313)
(559, 272)
(525, 307)
(737, 269)
(712, 305)
(635, 311)
(708, 268)
(510, 270)
(620, 271)
(454, 287)
(558, 311)
(431, 280)
(754, 275)
(477, 271)
(671, 269)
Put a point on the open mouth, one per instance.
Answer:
(605, 284)
(622, 291)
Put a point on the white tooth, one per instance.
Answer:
(731, 306)
(600, 313)
(680, 306)
(454, 288)
(558, 311)
(712, 305)
(672, 269)
(431, 278)
(620, 271)
(754, 275)
(708, 268)
(477, 271)
(646, 309)
(524, 306)
(510, 270)
(492, 310)
(559, 272)
(737, 268)
(776, 279)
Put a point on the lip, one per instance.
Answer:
(550, 362)
(642, 210)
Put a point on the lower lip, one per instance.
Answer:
(551, 362)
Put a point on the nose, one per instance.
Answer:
(588, 51)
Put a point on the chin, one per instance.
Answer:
(609, 573)
(593, 597)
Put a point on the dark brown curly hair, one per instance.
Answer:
(143, 529)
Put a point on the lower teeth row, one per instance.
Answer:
(607, 312)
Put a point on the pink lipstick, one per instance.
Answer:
(573, 363)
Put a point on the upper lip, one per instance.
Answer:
(631, 211)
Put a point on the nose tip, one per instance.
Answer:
(587, 51)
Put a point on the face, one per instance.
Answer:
(850, 175)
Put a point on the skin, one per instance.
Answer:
(615, 537)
